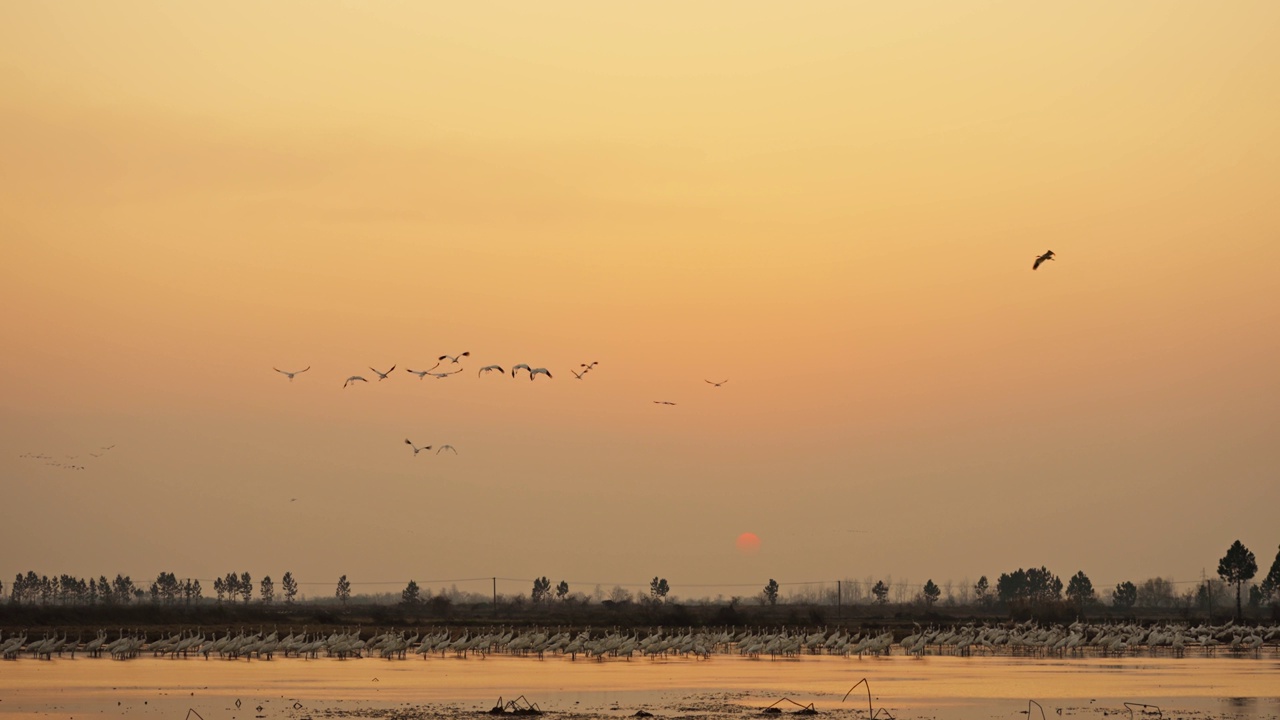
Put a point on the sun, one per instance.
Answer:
(748, 543)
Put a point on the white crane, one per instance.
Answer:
(663, 402)
(421, 373)
(290, 375)
(416, 449)
(577, 374)
(454, 358)
(353, 378)
(446, 447)
(1048, 255)
(521, 366)
(491, 368)
(440, 375)
(383, 375)
(539, 371)
(718, 384)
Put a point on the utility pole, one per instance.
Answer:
(495, 597)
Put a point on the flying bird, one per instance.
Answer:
(490, 368)
(291, 374)
(454, 358)
(383, 375)
(352, 379)
(535, 371)
(718, 384)
(444, 374)
(521, 366)
(588, 367)
(577, 374)
(421, 373)
(663, 402)
(446, 447)
(1048, 255)
(416, 449)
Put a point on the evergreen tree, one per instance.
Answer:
(1080, 590)
(1125, 595)
(541, 588)
(1237, 566)
(290, 588)
(1271, 583)
(982, 591)
(771, 592)
(881, 591)
(411, 595)
(344, 590)
(931, 592)
(268, 590)
(658, 589)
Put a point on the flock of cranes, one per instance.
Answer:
(452, 360)
(1025, 639)
(67, 462)
(533, 373)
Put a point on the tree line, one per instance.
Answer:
(1020, 591)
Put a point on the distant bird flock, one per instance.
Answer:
(447, 360)
(1026, 639)
(67, 462)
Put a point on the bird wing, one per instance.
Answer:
(406, 441)
(393, 367)
(442, 357)
(304, 370)
(279, 370)
(1039, 259)
(466, 354)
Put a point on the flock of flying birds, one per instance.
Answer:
(51, 461)
(533, 373)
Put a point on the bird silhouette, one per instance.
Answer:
(663, 402)
(383, 375)
(352, 379)
(291, 374)
(454, 358)
(416, 449)
(421, 373)
(490, 368)
(718, 384)
(1048, 255)
(534, 372)
(446, 447)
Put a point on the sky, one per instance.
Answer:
(834, 206)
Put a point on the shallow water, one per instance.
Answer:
(947, 688)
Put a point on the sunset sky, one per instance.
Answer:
(835, 206)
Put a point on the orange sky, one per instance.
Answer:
(835, 206)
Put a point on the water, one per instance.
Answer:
(928, 688)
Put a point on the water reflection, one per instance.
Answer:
(948, 688)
